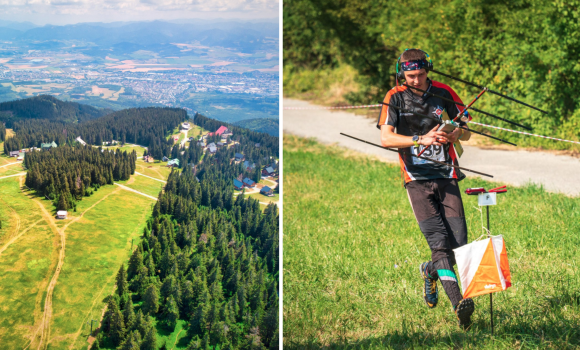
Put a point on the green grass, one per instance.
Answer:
(96, 247)
(127, 149)
(11, 170)
(352, 249)
(175, 339)
(158, 170)
(263, 198)
(145, 185)
(25, 266)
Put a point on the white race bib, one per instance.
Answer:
(432, 152)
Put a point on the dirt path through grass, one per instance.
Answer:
(13, 239)
(15, 214)
(44, 326)
(151, 177)
(2, 166)
(132, 190)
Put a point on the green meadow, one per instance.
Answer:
(27, 260)
(97, 245)
(352, 249)
(144, 184)
(98, 237)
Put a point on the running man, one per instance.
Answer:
(432, 188)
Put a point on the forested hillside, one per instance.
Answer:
(526, 49)
(206, 258)
(143, 126)
(2, 132)
(66, 174)
(47, 107)
(269, 145)
(265, 125)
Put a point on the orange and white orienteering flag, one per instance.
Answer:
(483, 267)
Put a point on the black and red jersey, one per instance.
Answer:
(409, 124)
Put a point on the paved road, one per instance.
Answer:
(557, 173)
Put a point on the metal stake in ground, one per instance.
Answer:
(490, 294)
(486, 199)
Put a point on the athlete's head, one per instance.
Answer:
(413, 63)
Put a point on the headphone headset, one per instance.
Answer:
(400, 75)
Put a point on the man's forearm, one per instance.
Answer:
(391, 139)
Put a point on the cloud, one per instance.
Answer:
(101, 10)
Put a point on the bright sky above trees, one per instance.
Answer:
(74, 11)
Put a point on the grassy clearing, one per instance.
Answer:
(128, 149)
(265, 199)
(10, 169)
(158, 170)
(144, 184)
(352, 249)
(25, 265)
(97, 245)
(175, 339)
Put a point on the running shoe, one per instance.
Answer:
(463, 311)
(430, 292)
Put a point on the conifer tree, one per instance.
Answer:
(135, 263)
(150, 339)
(129, 315)
(151, 300)
(117, 328)
(171, 313)
(131, 342)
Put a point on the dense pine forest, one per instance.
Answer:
(2, 132)
(47, 107)
(66, 174)
(143, 126)
(205, 258)
(269, 145)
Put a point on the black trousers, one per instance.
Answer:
(439, 212)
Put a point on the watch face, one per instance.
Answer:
(415, 138)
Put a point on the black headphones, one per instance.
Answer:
(400, 75)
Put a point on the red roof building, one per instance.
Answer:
(219, 131)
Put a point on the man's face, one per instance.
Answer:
(416, 78)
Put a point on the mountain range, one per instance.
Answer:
(243, 36)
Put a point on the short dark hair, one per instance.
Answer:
(413, 55)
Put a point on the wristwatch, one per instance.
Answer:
(416, 140)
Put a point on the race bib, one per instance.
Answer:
(432, 152)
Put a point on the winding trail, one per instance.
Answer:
(44, 326)
(556, 173)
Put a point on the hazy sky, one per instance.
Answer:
(74, 11)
